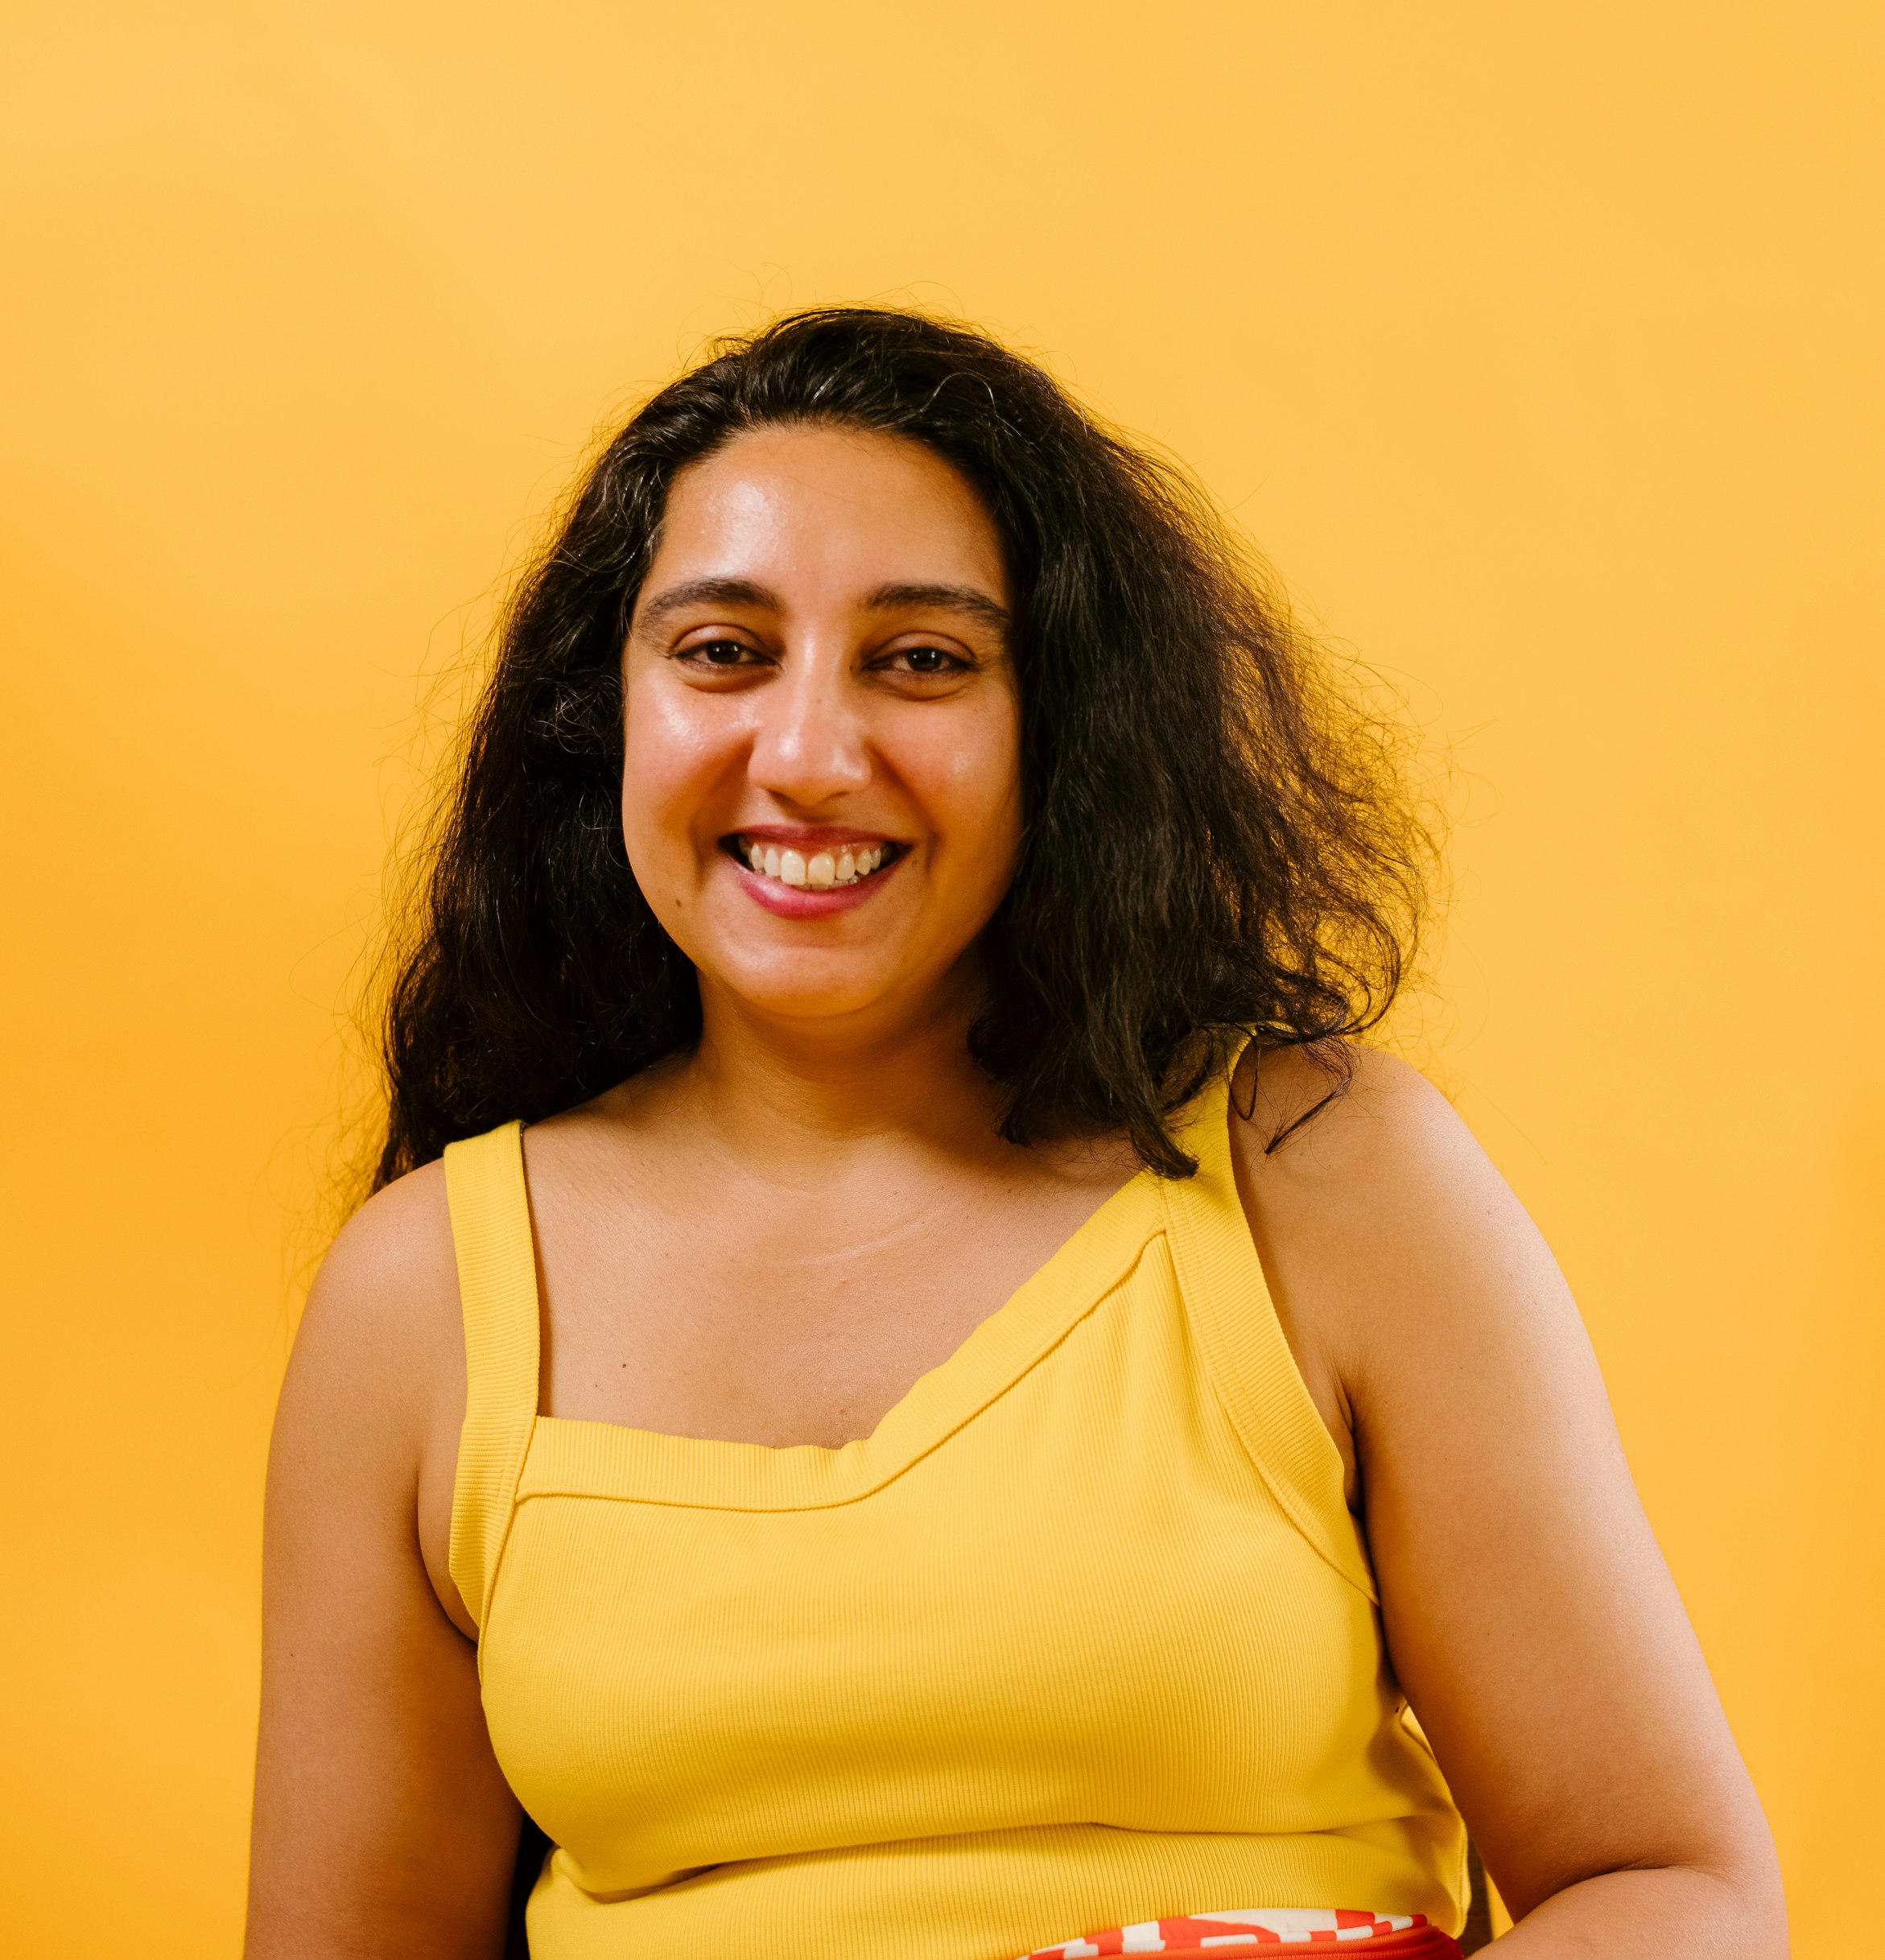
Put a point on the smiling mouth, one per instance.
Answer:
(815, 870)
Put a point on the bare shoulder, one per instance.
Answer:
(388, 1287)
(379, 1353)
(1392, 1241)
(1301, 1119)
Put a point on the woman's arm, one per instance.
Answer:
(382, 1825)
(1528, 1613)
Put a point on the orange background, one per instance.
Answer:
(1537, 348)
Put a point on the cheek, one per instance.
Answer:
(971, 776)
(671, 754)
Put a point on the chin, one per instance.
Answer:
(808, 990)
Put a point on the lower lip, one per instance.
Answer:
(808, 900)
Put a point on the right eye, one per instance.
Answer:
(719, 655)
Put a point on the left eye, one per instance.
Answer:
(926, 659)
(719, 652)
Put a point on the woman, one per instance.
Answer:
(905, 1391)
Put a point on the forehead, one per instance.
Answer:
(828, 507)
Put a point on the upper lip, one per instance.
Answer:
(809, 836)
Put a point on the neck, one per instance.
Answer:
(780, 1090)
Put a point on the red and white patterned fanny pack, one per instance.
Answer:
(1273, 1932)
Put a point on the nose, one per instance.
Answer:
(811, 744)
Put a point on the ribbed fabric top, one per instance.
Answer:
(1082, 1634)
(497, 1285)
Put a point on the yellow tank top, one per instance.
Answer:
(1083, 1634)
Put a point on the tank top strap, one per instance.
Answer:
(498, 1291)
(1246, 1354)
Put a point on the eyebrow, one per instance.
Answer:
(965, 599)
(943, 598)
(709, 591)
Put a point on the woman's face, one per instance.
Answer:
(821, 796)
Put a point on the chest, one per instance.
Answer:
(781, 1317)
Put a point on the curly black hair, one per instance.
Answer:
(1216, 839)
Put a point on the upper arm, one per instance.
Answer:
(382, 1823)
(1528, 1610)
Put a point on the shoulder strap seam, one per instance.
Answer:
(497, 1290)
(1228, 1384)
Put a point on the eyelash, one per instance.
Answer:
(952, 663)
(697, 653)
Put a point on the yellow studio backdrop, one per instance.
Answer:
(1537, 348)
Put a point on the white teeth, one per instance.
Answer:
(818, 870)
